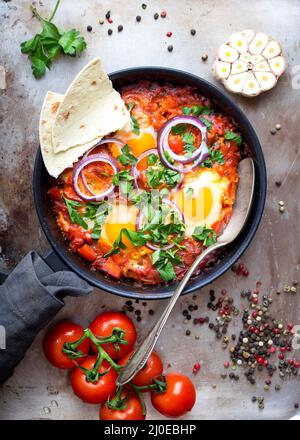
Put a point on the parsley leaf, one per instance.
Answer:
(164, 261)
(152, 159)
(213, 156)
(127, 158)
(207, 123)
(45, 46)
(235, 137)
(135, 126)
(74, 214)
(123, 180)
(178, 129)
(207, 235)
(196, 110)
(135, 237)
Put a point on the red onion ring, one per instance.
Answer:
(198, 156)
(139, 225)
(103, 142)
(79, 168)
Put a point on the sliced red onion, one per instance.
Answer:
(103, 142)
(139, 225)
(197, 157)
(79, 168)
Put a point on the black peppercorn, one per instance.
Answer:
(170, 48)
(120, 28)
(193, 31)
(109, 31)
(89, 28)
(138, 18)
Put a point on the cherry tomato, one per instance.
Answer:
(94, 392)
(179, 397)
(152, 369)
(54, 340)
(103, 325)
(133, 410)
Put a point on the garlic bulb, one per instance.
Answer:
(249, 63)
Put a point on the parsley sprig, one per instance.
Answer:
(196, 110)
(164, 261)
(235, 137)
(204, 234)
(45, 46)
(127, 158)
(213, 156)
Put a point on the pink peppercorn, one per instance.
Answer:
(196, 368)
(169, 34)
(163, 14)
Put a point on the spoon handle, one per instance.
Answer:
(143, 351)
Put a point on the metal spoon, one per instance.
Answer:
(239, 216)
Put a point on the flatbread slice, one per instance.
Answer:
(55, 163)
(90, 109)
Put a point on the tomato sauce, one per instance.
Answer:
(154, 105)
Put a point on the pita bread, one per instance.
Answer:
(55, 163)
(90, 109)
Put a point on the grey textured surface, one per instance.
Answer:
(273, 256)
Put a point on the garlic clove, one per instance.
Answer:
(251, 87)
(278, 65)
(238, 42)
(248, 34)
(266, 80)
(238, 67)
(273, 49)
(235, 83)
(258, 43)
(263, 66)
(227, 53)
(221, 69)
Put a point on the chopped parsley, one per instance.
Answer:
(189, 192)
(207, 123)
(161, 174)
(75, 217)
(135, 237)
(152, 159)
(213, 156)
(207, 235)
(123, 180)
(234, 137)
(135, 126)
(127, 158)
(196, 110)
(164, 261)
(179, 129)
(189, 140)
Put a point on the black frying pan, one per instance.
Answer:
(128, 288)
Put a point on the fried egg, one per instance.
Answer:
(120, 216)
(138, 143)
(201, 198)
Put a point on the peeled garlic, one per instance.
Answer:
(249, 63)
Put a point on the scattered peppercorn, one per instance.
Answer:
(204, 57)
(278, 183)
(163, 14)
(139, 318)
(155, 16)
(107, 15)
(170, 48)
(120, 28)
(109, 31)
(144, 6)
(193, 31)
(169, 34)
(188, 332)
(89, 28)
(278, 127)
(138, 18)
(273, 131)
(296, 406)
(151, 312)
(101, 21)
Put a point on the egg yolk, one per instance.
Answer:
(195, 207)
(141, 143)
(121, 216)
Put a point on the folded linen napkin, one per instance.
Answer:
(30, 297)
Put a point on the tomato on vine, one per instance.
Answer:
(125, 405)
(152, 369)
(179, 397)
(62, 333)
(94, 380)
(106, 324)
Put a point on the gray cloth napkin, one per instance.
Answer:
(30, 297)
